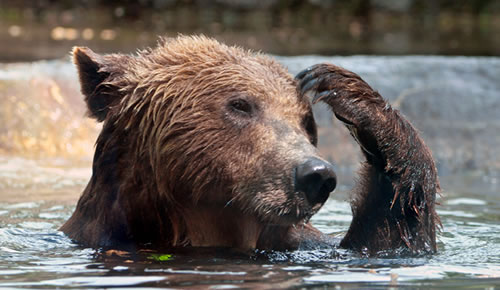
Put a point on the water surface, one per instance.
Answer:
(34, 254)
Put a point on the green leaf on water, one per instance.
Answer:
(160, 257)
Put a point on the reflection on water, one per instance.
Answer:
(34, 254)
(48, 29)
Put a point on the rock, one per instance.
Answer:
(453, 101)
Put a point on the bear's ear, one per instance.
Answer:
(96, 73)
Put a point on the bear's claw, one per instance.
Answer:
(309, 79)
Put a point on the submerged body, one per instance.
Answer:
(207, 145)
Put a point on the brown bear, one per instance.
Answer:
(207, 145)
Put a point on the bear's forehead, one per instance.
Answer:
(198, 53)
(209, 63)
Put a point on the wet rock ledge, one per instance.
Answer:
(453, 101)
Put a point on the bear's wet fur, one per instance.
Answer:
(208, 145)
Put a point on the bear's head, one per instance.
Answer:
(195, 128)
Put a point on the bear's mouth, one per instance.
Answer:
(295, 210)
(280, 201)
(300, 216)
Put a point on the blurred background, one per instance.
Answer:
(47, 29)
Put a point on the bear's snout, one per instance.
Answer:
(316, 179)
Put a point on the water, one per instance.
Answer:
(49, 29)
(34, 254)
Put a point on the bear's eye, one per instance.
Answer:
(309, 125)
(241, 106)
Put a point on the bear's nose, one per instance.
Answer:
(316, 179)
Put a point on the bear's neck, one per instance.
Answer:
(209, 227)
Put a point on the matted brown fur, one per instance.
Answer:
(199, 147)
(394, 202)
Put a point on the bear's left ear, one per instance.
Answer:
(98, 75)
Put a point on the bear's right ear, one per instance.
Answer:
(96, 73)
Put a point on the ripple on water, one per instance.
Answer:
(91, 281)
(346, 276)
(36, 225)
(23, 205)
(456, 213)
(33, 237)
(467, 201)
(52, 215)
